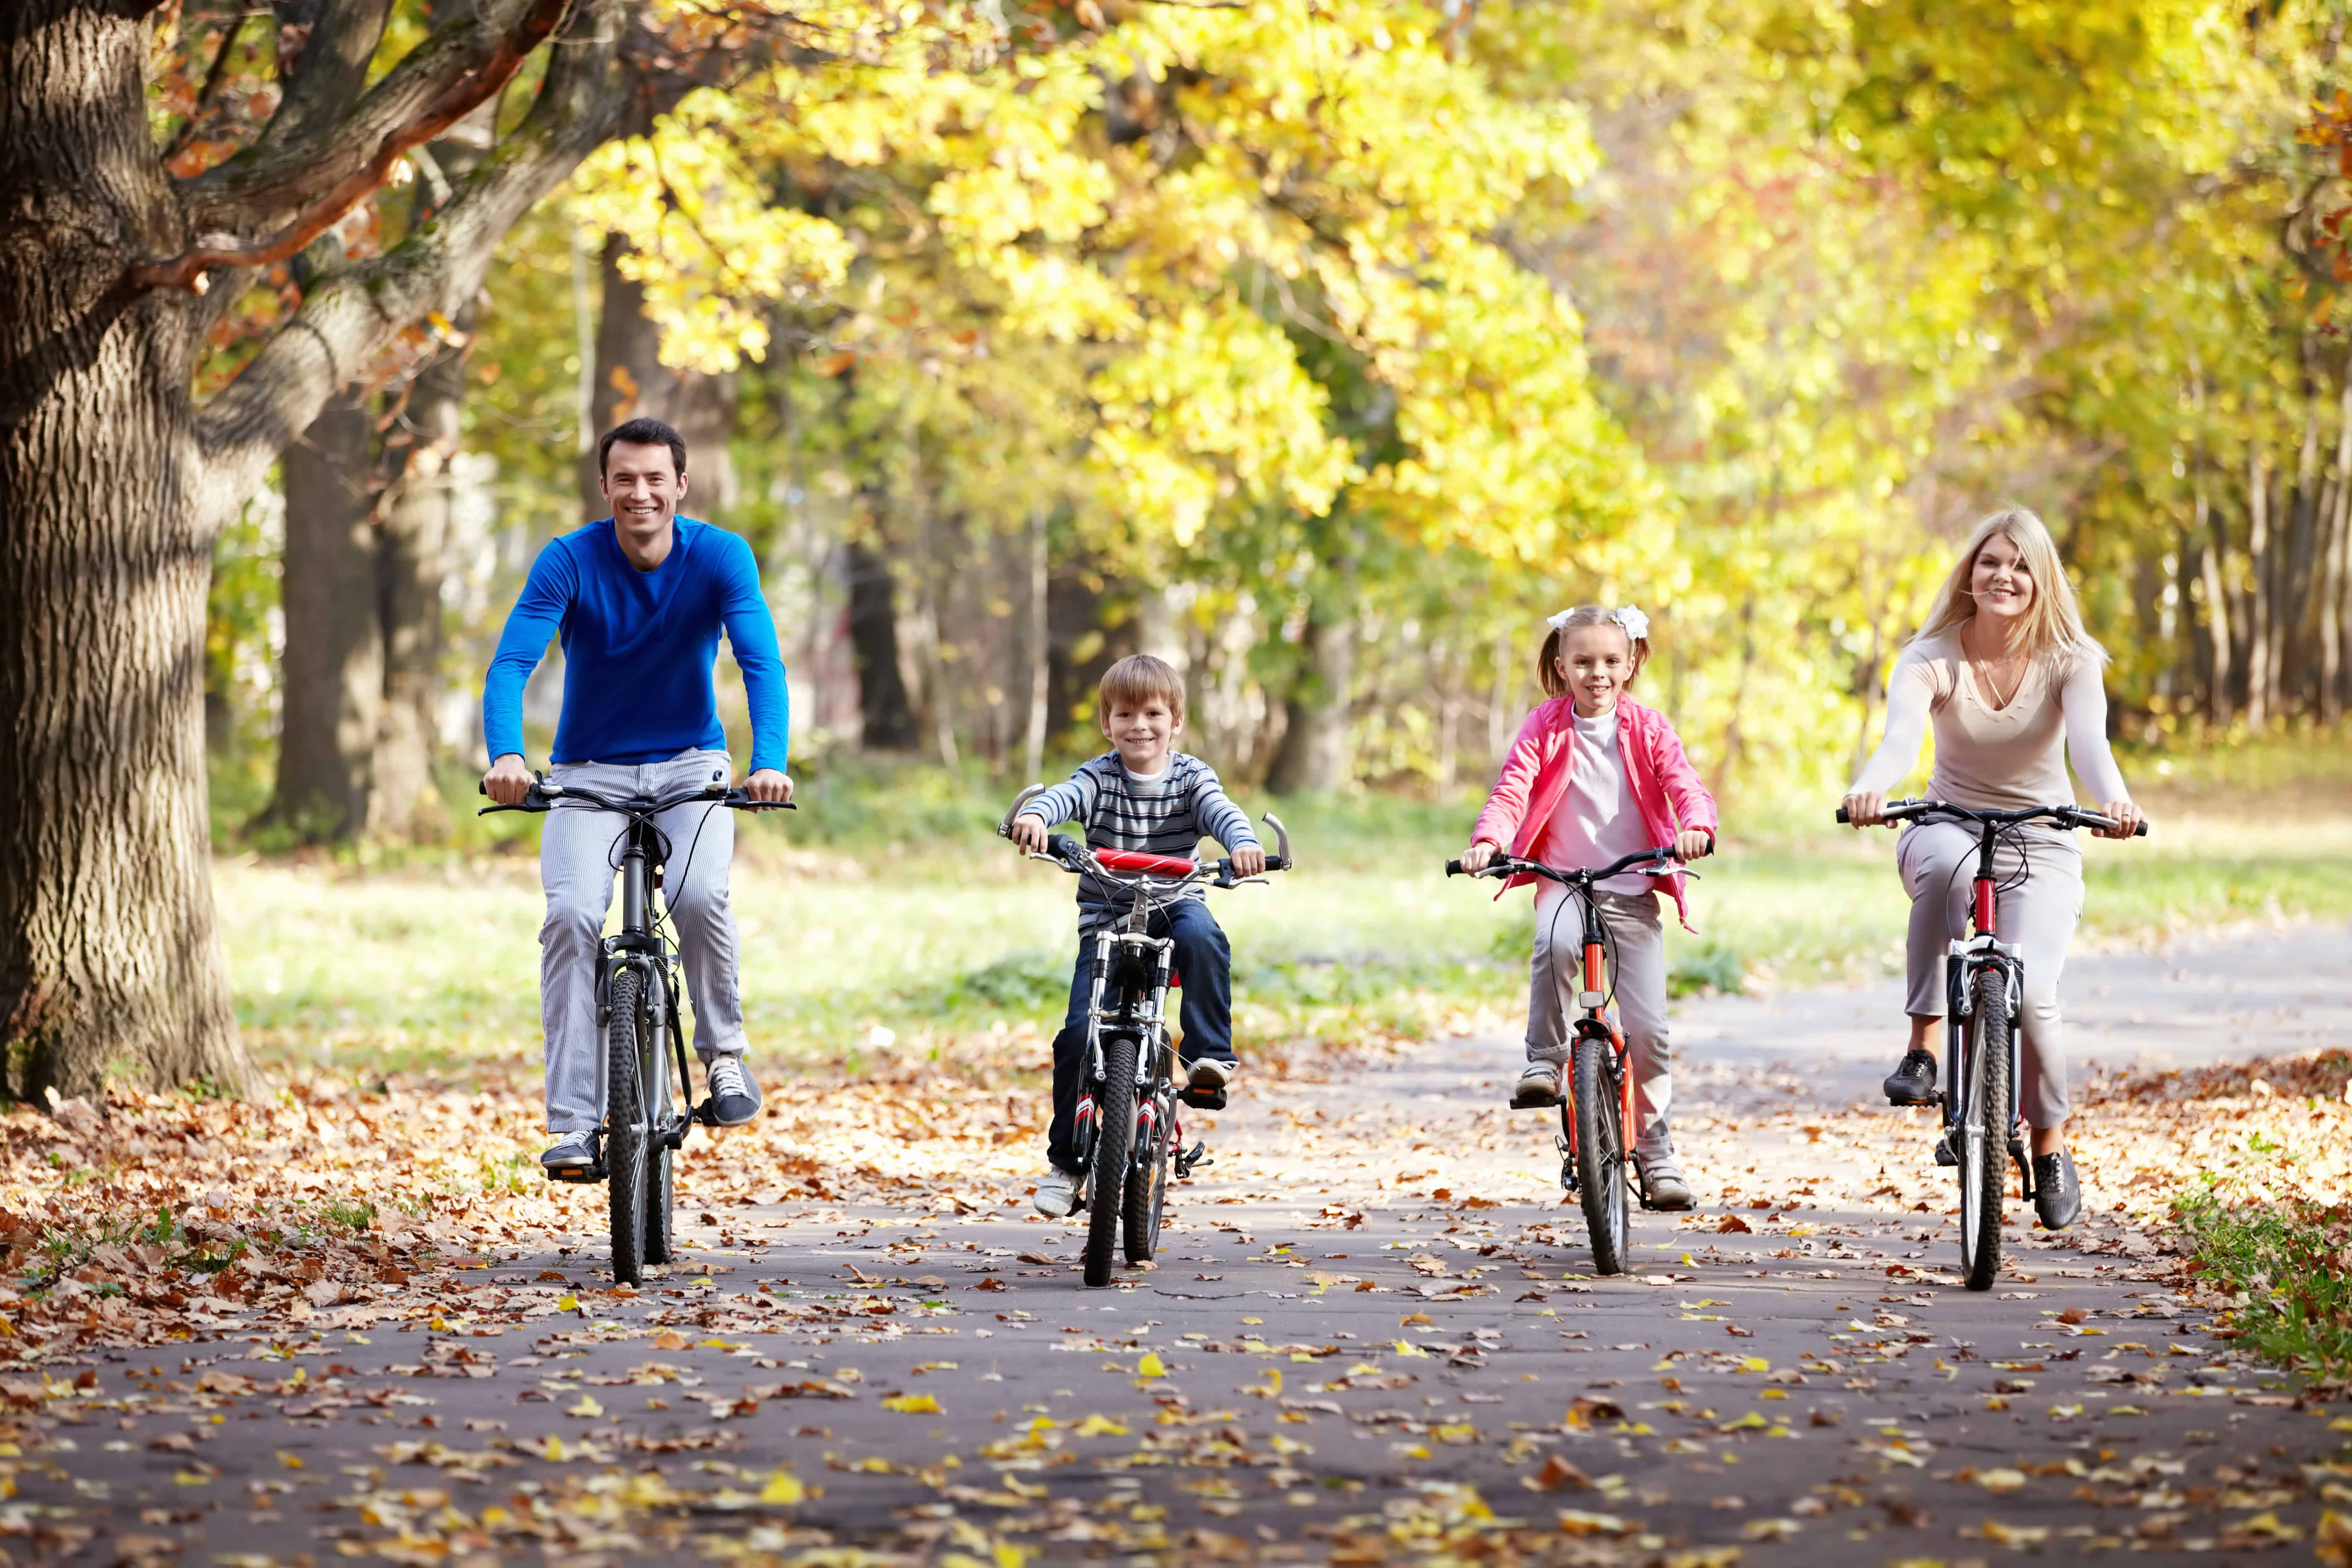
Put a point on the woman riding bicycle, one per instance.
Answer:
(2011, 681)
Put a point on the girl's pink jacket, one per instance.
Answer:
(1535, 773)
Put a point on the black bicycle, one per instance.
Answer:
(1984, 985)
(1596, 1160)
(1129, 1139)
(646, 1114)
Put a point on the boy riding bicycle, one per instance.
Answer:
(1142, 796)
(639, 600)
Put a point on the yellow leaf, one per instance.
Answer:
(1099, 1426)
(291, 1461)
(1151, 1366)
(1407, 1348)
(1754, 1363)
(567, 1304)
(913, 1404)
(783, 1487)
(586, 1408)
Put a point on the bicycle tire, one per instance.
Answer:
(661, 1186)
(625, 1138)
(1114, 1130)
(1600, 1154)
(1984, 1132)
(1146, 1195)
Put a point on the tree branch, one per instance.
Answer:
(328, 74)
(351, 316)
(302, 184)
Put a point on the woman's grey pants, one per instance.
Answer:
(1939, 862)
(579, 856)
(1639, 945)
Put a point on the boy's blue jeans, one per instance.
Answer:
(1203, 963)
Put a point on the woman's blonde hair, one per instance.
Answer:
(2053, 622)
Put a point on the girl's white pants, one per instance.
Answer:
(1637, 945)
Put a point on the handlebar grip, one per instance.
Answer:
(1454, 869)
(2139, 829)
(1062, 848)
(1841, 815)
(1277, 862)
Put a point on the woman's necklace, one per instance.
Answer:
(1989, 673)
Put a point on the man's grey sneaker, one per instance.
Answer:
(734, 1093)
(1538, 1087)
(1663, 1186)
(1913, 1081)
(1057, 1192)
(2057, 1191)
(569, 1153)
(1207, 1075)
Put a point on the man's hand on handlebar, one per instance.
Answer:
(2124, 815)
(1029, 833)
(768, 784)
(1478, 857)
(507, 781)
(1249, 860)
(1865, 808)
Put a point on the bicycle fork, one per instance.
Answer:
(1963, 963)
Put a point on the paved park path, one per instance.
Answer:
(1373, 1336)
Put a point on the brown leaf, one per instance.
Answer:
(1558, 1475)
(1732, 1225)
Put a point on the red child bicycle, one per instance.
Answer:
(1598, 1104)
(1984, 985)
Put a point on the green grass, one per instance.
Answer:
(889, 905)
(2292, 1267)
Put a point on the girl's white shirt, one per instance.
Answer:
(1598, 820)
(1995, 759)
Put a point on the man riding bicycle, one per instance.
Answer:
(638, 601)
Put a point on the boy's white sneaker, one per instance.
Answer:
(1663, 1185)
(1057, 1192)
(1207, 1075)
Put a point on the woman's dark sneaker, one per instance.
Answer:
(734, 1092)
(1913, 1082)
(2057, 1191)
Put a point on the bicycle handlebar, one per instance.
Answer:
(545, 796)
(2064, 815)
(1076, 858)
(1512, 865)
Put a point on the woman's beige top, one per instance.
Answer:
(1995, 759)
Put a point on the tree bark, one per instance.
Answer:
(1313, 756)
(112, 484)
(332, 692)
(886, 718)
(2257, 619)
(1038, 647)
(110, 963)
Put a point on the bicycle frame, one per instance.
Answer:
(1593, 1023)
(1965, 959)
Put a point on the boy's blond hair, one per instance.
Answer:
(1133, 680)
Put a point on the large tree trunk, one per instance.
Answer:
(110, 963)
(333, 697)
(1314, 751)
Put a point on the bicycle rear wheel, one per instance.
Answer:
(1114, 1136)
(1147, 1190)
(1599, 1153)
(625, 1140)
(1984, 1129)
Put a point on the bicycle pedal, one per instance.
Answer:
(580, 1176)
(1203, 1100)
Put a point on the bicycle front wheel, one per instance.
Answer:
(1984, 1129)
(625, 1153)
(1147, 1189)
(1599, 1153)
(1114, 1136)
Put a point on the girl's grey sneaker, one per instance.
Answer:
(1057, 1192)
(734, 1093)
(1663, 1186)
(1538, 1087)
(570, 1152)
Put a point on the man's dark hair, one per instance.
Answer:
(641, 433)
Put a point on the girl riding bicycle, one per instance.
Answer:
(1593, 776)
(2011, 678)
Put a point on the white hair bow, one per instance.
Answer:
(1636, 623)
(1559, 620)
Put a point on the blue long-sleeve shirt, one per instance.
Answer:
(638, 647)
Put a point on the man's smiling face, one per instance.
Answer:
(643, 487)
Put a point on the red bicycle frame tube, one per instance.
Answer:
(1157, 865)
(1984, 906)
